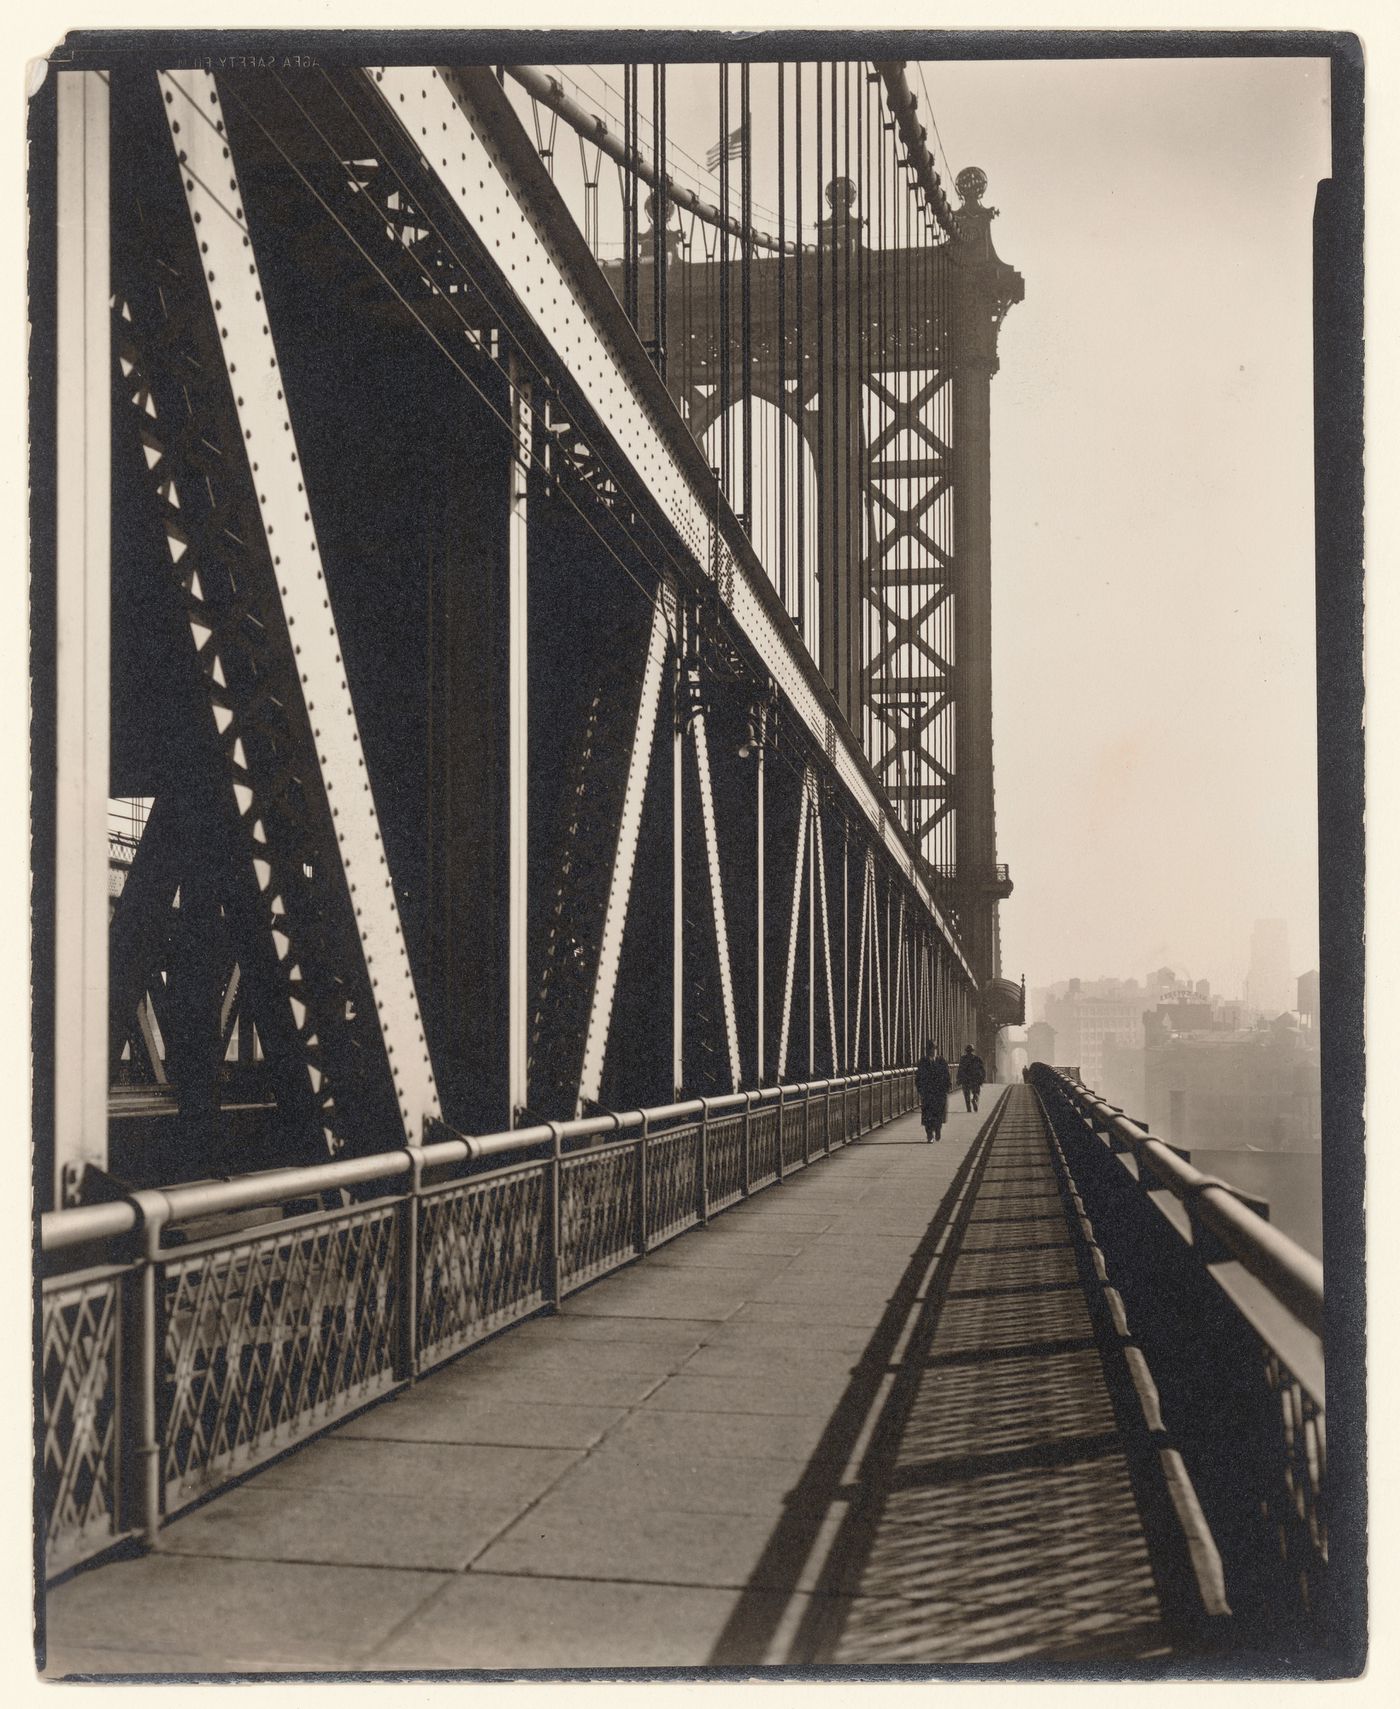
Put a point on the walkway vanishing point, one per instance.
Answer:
(885, 1414)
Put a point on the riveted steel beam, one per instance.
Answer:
(625, 858)
(461, 127)
(794, 919)
(518, 748)
(726, 977)
(324, 726)
(818, 842)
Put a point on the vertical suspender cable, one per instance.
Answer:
(661, 216)
(725, 358)
(817, 613)
(850, 472)
(798, 308)
(782, 349)
(746, 292)
(834, 475)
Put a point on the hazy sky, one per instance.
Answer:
(1151, 491)
(1151, 504)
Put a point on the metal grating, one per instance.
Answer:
(725, 1141)
(1298, 1508)
(794, 1136)
(483, 1258)
(672, 1185)
(271, 1338)
(597, 1213)
(763, 1147)
(78, 1470)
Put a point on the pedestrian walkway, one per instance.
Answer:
(861, 1418)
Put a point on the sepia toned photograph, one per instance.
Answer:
(696, 855)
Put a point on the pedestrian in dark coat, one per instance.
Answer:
(932, 1081)
(972, 1071)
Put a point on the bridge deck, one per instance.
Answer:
(862, 1418)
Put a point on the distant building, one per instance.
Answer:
(1040, 1044)
(1269, 986)
(1226, 1090)
(1307, 997)
(1086, 1023)
(1125, 1079)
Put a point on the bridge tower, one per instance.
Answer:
(897, 419)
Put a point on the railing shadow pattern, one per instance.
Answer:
(994, 1517)
(1228, 1313)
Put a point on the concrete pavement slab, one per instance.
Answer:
(433, 1413)
(436, 1530)
(564, 1383)
(774, 1392)
(485, 1620)
(235, 1612)
(339, 1463)
(708, 1435)
(625, 1475)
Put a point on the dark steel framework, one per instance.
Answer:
(871, 335)
(436, 704)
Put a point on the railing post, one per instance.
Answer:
(748, 1141)
(807, 1123)
(705, 1161)
(826, 1119)
(643, 1162)
(407, 1339)
(146, 1469)
(556, 1217)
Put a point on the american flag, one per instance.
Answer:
(726, 150)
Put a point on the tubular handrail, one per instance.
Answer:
(63, 1230)
(197, 1360)
(1292, 1276)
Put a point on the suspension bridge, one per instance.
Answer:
(524, 796)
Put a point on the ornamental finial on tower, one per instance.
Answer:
(972, 185)
(841, 196)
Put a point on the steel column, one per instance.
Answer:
(84, 425)
(518, 747)
(760, 926)
(678, 864)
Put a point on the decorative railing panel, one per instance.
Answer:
(725, 1150)
(597, 1213)
(235, 1348)
(80, 1376)
(763, 1146)
(794, 1135)
(273, 1337)
(483, 1258)
(673, 1202)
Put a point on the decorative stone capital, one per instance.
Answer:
(987, 287)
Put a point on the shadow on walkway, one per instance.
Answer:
(992, 1515)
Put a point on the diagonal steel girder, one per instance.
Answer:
(462, 131)
(317, 717)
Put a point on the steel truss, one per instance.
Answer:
(268, 829)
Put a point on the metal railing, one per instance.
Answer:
(1230, 1314)
(178, 1355)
